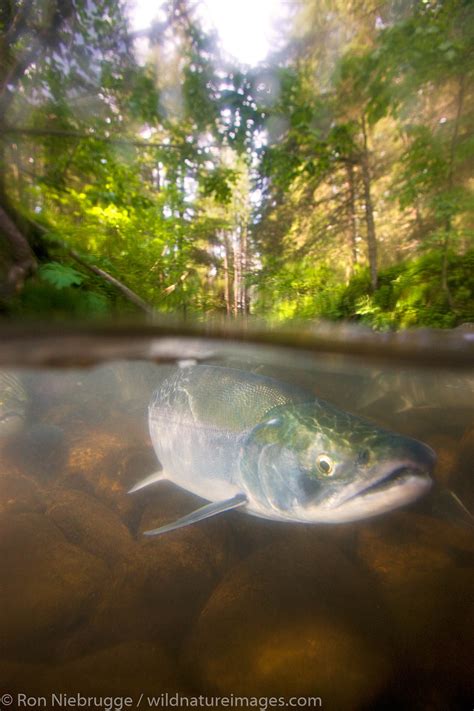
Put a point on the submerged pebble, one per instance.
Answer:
(128, 669)
(89, 524)
(103, 463)
(424, 569)
(287, 621)
(19, 493)
(41, 450)
(158, 590)
(50, 587)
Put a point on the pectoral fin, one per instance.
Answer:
(156, 476)
(216, 507)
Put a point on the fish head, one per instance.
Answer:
(314, 463)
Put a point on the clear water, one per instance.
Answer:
(374, 614)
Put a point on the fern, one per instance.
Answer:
(60, 275)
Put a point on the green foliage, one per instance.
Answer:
(412, 295)
(219, 184)
(360, 129)
(409, 294)
(60, 275)
(48, 299)
(299, 290)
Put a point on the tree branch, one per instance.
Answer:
(19, 22)
(125, 290)
(127, 293)
(45, 38)
(16, 72)
(90, 136)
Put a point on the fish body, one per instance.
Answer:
(13, 403)
(276, 451)
(199, 420)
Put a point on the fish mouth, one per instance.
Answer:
(393, 484)
(391, 476)
(402, 477)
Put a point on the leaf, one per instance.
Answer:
(95, 304)
(60, 275)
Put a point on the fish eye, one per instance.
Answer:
(325, 464)
(363, 458)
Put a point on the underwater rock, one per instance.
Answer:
(124, 670)
(73, 398)
(50, 586)
(424, 568)
(291, 620)
(22, 677)
(158, 591)
(105, 463)
(89, 455)
(40, 450)
(213, 537)
(446, 448)
(250, 533)
(87, 523)
(18, 493)
(32, 457)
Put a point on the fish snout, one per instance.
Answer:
(431, 457)
(421, 457)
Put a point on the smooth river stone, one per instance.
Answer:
(293, 619)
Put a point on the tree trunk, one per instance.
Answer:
(15, 63)
(244, 260)
(237, 272)
(226, 274)
(353, 228)
(369, 210)
(420, 224)
(448, 224)
(24, 261)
